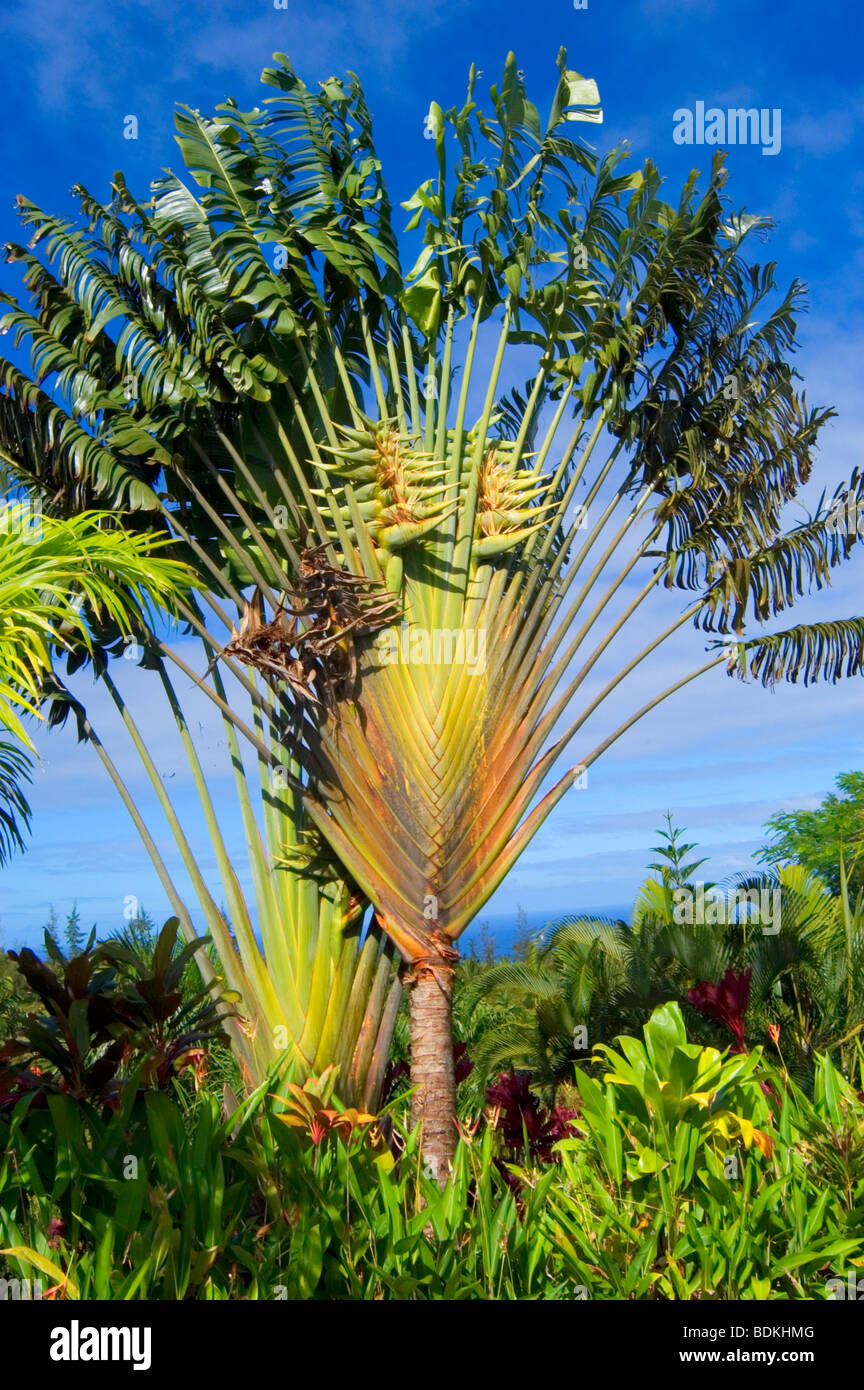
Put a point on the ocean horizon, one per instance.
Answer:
(505, 927)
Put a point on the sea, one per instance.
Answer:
(504, 929)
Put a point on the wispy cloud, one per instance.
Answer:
(825, 132)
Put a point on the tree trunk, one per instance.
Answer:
(434, 1101)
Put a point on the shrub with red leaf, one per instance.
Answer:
(521, 1119)
(109, 1013)
(462, 1064)
(727, 1002)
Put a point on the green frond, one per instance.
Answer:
(52, 571)
(808, 652)
(15, 771)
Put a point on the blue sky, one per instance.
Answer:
(721, 756)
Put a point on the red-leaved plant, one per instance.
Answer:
(726, 1001)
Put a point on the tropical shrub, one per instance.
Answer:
(16, 998)
(695, 1178)
(819, 839)
(139, 1201)
(107, 1011)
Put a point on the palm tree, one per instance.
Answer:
(53, 574)
(418, 561)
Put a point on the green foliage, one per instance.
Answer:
(692, 1182)
(59, 580)
(15, 770)
(134, 1203)
(73, 934)
(587, 978)
(138, 932)
(672, 1100)
(817, 839)
(240, 1206)
(674, 869)
(692, 1174)
(16, 998)
(47, 576)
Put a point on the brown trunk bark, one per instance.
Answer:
(434, 1101)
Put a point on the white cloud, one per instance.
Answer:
(822, 132)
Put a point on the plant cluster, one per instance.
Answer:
(691, 1174)
(105, 1011)
(794, 983)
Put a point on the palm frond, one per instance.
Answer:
(15, 771)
